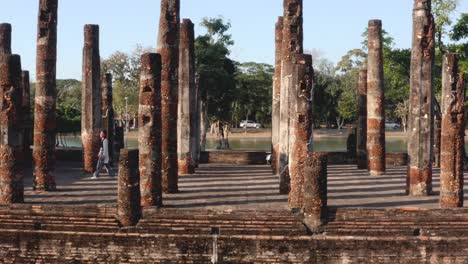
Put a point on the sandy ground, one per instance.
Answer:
(226, 187)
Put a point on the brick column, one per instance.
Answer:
(91, 100)
(275, 112)
(291, 46)
(453, 133)
(26, 112)
(362, 121)
(128, 200)
(187, 99)
(315, 190)
(11, 150)
(149, 133)
(421, 113)
(375, 101)
(45, 123)
(168, 47)
(5, 38)
(108, 111)
(300, 126)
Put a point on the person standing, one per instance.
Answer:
(103, 156)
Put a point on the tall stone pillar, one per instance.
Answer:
(275, 109)
(128, 192)
(315, 190)
(45, 99)
(5, 38)
(197, 117)
(11, 150)
(375, 101)
(168, 47)
(91, 98)
(453, 133)
(149, 133)
(421, 113)
(291, 46)
(26, 112)
(187, 99)
(108, 111)
(362, 121)
(300, 126)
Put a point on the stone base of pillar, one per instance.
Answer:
(275, 159)
(90, 151)
(186, 165)
(284, 181)
(11, 176)
(419, 182)
(43, 178)
(128, 200)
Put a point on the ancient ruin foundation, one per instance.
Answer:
(5, 38)
(453, 133)
(300, 126)
(420, 125)
(11, 150)
(187, 99)
(91, 100)
(291, 46)
(108, 110)
(168, 47)
(375, 101)
(45, 98)
(315, 190)
(362, 121)
(149, 133)
(128, 193)
(275, 112)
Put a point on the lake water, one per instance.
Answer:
(320, 144)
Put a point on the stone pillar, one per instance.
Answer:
(187, 103)
(11, 151)
(300, 126)
(291, 46)
(351, 142)
(453, 133)
(26, 112)
(5, 38)
(362, 121)
(421, 113)
(275, 112)
(108, 111)
(168, 47)
(149, 133)
(437, 139)
(197, 121)
(45, 99)
(128, 193)
(315, 190)
(91, 98)
(118, 139)
(375, 101)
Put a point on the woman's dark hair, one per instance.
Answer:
(105, 132)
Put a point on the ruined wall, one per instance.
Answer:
(421, 113)
(187, 99)
(91, 98)
(45, 99)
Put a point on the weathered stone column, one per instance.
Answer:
(453, 133)
(11, 151)
(128, 193)
(421, 113)
(187, 99)
(197, 132)
(275, 112)
(5, 38)
(168, 47)
(149, 133)
(45, 99)
(291, 46)
(300, 126)
(108, 111)
(362, 121)
(375, 101)
(315, 190)
(91, 98)
(26, 112)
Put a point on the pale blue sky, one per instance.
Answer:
(332, 27)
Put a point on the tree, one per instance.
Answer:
(442, 10)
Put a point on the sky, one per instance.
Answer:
(331, 27)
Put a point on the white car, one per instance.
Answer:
(392, 125)
(249, 124)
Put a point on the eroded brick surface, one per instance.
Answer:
(128, 192)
